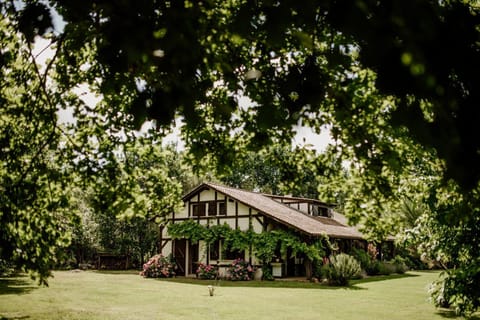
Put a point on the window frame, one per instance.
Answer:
(212, 208)
(222, 211)
(199, 209)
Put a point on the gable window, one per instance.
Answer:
(212, 208)
(222, 208)
(198, 209)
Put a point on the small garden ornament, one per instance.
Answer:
(211, 290)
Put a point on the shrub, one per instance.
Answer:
(158, 266)
(367, 261)
(415, 263)
(326, 273)
(207, 271)
(400, 264)
(343, 268)
(438, 295)
(240, 270)
(385, 268)
(374, 269)
(317, 269)
(267, 274)
(322, 269)
(6, 268)
(362, 257)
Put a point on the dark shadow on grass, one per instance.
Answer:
(260, 284)
(17, 285)
(285, 283)
(118, 272)
(14, 318)
(450, 314)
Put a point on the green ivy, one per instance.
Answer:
(263, 244)
(188, 229)
(217, 232)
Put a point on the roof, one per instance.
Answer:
(266, 205)
(290, 199)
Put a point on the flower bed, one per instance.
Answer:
(240, 270)
(207, 271)
(158, 266)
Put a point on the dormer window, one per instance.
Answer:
(319, 211)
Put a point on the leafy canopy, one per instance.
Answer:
(391, 78)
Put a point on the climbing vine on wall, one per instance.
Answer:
(188, 229)
(264, 244)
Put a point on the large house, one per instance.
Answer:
(210, 204)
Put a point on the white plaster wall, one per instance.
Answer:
(182, 214)
(207, 195)
(167, 250)
(242, 209)
(230, 207)
(243, 224)
(256, 225)
(202, 251)
(303, 207)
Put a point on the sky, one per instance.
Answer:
(305, 136)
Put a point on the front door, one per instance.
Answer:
(290, 265)
(192, 257)
(180, 246)
(295, 265)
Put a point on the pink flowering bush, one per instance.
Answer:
(240, 270)
(207, 271)
(158, 266)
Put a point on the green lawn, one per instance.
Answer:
(94, 295)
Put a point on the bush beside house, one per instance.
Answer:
(207, 272)
(158, 266)
(240, 270)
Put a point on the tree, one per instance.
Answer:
(131, 193)
(454, 246)
(296, 62)
(276, 170)
(34, 225)
(388, 76)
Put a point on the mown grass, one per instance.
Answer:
(100, 295)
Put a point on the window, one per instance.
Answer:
(230, 254)
(222, 208)
(320, 211)
(212, 208)
(198, 209)
(215, 251)
(219, 252)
